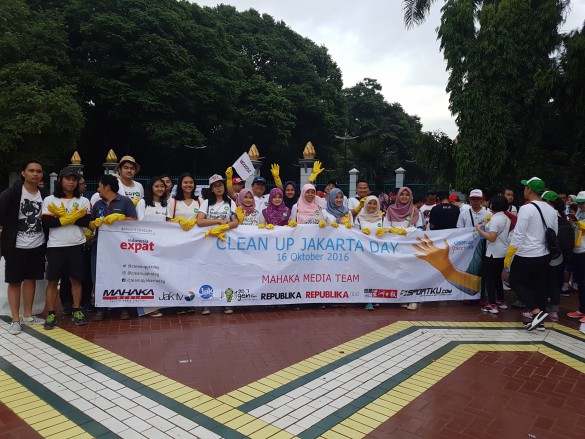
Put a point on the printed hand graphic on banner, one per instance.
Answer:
(438, 258)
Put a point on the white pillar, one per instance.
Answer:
(400, 177)
(257, 165)
(353, 175)
(305, 169)
(52, 181)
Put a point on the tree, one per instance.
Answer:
(40, 116)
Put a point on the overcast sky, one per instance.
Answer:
(367, 39)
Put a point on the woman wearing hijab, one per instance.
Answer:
(276, 213)
(307, 211)
(336, 211)
(403, 214)
(246, 209)
(291, 194)
(370, 218)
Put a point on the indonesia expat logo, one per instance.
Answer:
(206, 291)
(380, 293)
(137, 245)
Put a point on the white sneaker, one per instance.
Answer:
(506, 286)
(14, 328)
(412, 306)
(33, 320)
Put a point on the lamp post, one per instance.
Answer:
(345, 138)
(195, 148)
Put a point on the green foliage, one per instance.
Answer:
(436, 155)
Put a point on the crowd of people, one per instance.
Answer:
(537, 248)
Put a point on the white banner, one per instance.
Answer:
(243, 166)
(158, 264)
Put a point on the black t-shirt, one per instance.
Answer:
(444, 216)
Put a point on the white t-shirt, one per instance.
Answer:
(361, 224)
(500, 224)
(132, 192)
(330, 219)
(528, 236)
(253, 219)
(94, 199)
(478, 217)
(261, 202)
(426, 208)
(180, 209)
(151, 213)
(512, 209)
(222, 211)
(313, 220)
(66, 236)
(30, 227)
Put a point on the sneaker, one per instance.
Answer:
(79, 318)
(536, 320)
(99, 316)
(155, 314)
(404, 305)
(517, 304)
(14, 328)
(553, 316)
(541, 327)
(124, 315)
(506, 286)
(575, 314)
(67, 310)
(228, 310)
(51, 321)
(32, 320)
(87, 308)
(369, 307)
(502, 304)
(412, 306)
(493, 309)
(566, 293)
(205, 311)
(527, 315)
(182, 311)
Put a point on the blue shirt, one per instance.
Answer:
(121, 204)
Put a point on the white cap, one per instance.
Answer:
(214, 178)
(476, 193)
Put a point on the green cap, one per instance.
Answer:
(535, 184)
(550, 196)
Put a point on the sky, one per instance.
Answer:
(368, 39)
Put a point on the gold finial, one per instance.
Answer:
(254, 153)
(111, 157)
(75, 158)
(309, 151)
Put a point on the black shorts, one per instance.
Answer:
(25, 263)
(65, 261)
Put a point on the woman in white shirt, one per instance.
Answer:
(497, 234)
(403, 214)
(153, 207)
(185, 205)
(307, 211)
(370, 218)
(336, 211)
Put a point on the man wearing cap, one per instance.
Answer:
(477, 214)
(258, 189)
(127, 169)
(235, 188)
(65, 215)
(444, 215)
(578, 260)
(528, 269)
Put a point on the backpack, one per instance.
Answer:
(566, 238)
(550, 237)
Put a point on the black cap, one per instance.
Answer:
(259, 180)
(69, 170)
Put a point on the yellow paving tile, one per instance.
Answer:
(228, 416)
(220, 409)
(251, 391)
(209, 405)
(55, 420)
(74, 432)
(237, 394)
(282, 435)
(265, 432)
(230, 400)
(239, 421)
(373, 414)
(332, 434)
(346, 431)
(363, 419)
(251, 427)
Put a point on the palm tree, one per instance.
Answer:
(415, 11)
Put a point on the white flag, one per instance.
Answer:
(243, 166)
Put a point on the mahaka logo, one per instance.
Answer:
(206, 291)
(190, 297)
(133, 294)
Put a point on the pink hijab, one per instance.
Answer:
(402, 212)
(306, 210)
(240, 201)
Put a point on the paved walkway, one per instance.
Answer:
(444, 371)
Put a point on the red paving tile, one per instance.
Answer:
(12, 427)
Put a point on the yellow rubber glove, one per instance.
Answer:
(275, 170)
(580, 229)
(317, 169)
(381, 231)
(509, 255)
(335, 225)
(270, 226)
(95, 223)
(57, 211)
(88, 235)
(366, 231)
(261, 226)
(322, 224)
(240, 214)
(229, 174)
(292, 223)
(188, 224)
(398, 231)
(218, 231)
(66, 220)
(79, 213)
(348, 224)
(113, 217)
(135, 201)
(360, 206)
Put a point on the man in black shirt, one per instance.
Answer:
(443, 215)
